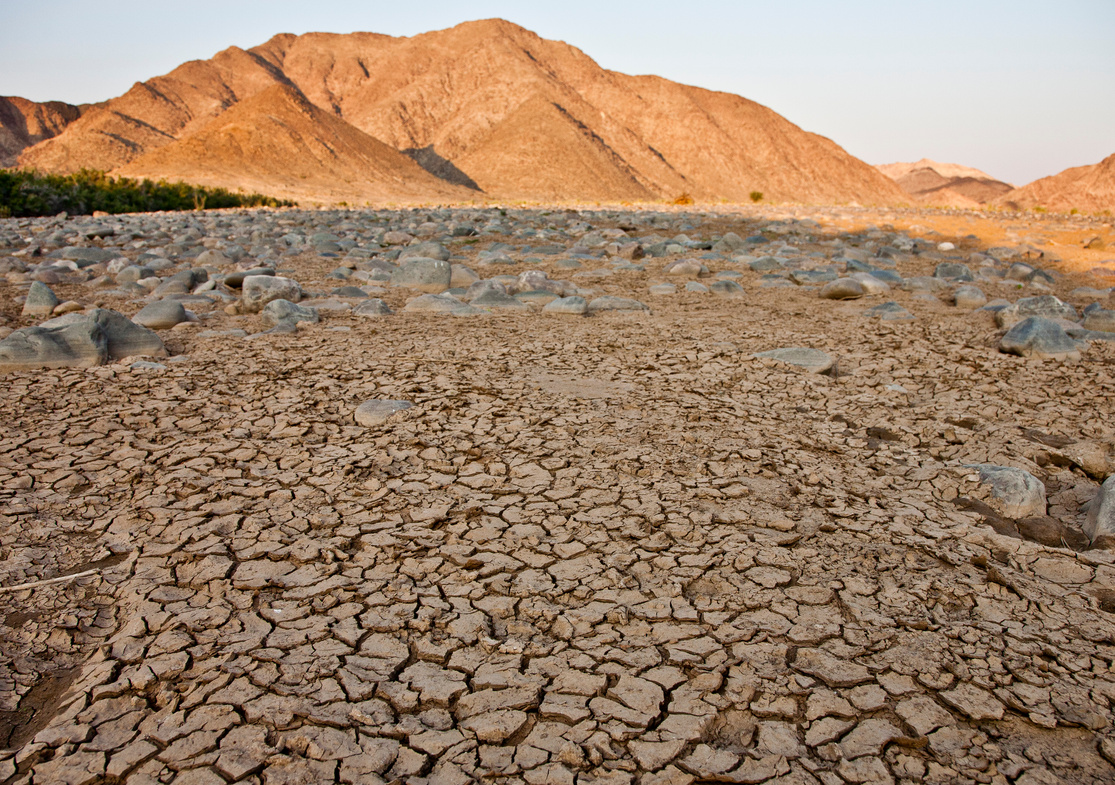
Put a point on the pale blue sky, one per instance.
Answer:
(1018, 88)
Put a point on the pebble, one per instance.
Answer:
(371, 413)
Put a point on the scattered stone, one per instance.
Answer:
(1045, 306)
(573, 306)
(888, 312)
(161, 315)
(1012, 492)
(610, 303)
(372, 308)
(843, 289)
(808, 360)
(426, 275)
(41, 301)
(372, 413)
(1101, 512)
(283, 312)
(953, 271)
(969, 297)
(440, 303)
(1040, 338)
(258, 290)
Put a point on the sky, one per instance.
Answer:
(1020, 89)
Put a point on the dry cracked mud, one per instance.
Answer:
(604, 549)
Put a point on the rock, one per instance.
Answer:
(41, 301)
(258, 290)
(86, 257)
(808, 360)
(953, 271)
(843, 289)
(285, 312)
(425, 275)
(461, 277)
(1101, 511)
(134, 274)
(698, 288)
(807, 277)
(425, 250)
(661, 289)
(870, 284)
(440, 303)
(1099, 320)
(1041, 338)
(726, 288)
(78, 340)
(1045, 305)
(236, 280)
(161, 315)
(78, 345)
(1014, 493)
(969, 297)
(371, 413)
(572, 306)
(945, 247)
(685, 267)
(372, 308)
(888, 312)
(492, 300)
(610, 303)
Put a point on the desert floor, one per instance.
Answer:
(612, 548)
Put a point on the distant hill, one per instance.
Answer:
(485, 105)
(945, 185)
(1087, 188)
(25, 123)
(280, 142)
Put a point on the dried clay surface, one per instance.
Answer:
(592, 542)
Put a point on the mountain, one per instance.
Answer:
(1088, 188)
(25, 123)
(945, 185)
(279, 143)
(485, 105)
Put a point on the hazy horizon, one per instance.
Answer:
(1019, 90)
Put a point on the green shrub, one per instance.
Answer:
(756, 196)
(26, 193)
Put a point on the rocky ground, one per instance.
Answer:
(604, 543)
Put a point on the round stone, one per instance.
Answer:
(377, 412)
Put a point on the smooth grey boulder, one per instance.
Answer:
(663, 289)
(492, 300)
(808, 360)
(462, 277)
(236, 280)
(1040, 338)
(371, 413)
(610, 303)
(538, 281)
(726, 288)
(133, 274)
(969, 297)
(426, 250)
(425, 275)
(1045, 305)
(1096, 320)
(843, 289)
(1101, 512)
(870, 284)
(41, 301)
(1013, 493)
(88, 256)
(283, 311)
(440, 303)
(953, 271)
(570, 306)
(694, 286)
(806, 277)
(258, 290)
(161, 315)
(482, 287)
(125, 337)
(371, 308)
(888, 312)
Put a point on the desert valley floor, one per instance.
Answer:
(610, 546)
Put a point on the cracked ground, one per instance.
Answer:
(607, 549)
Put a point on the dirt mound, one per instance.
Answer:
(945, 185)
(24, 123)
(1087, 188)
(495, 105)
(279, 142)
